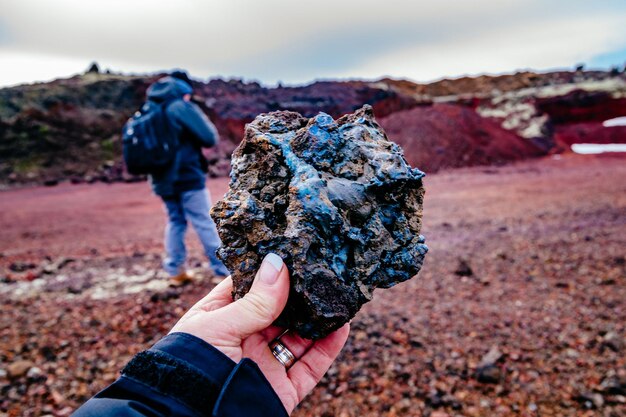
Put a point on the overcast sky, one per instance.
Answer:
(295, 42)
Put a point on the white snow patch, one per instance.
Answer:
(595, 148)
(617, 121)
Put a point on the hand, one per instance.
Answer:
(243, 329)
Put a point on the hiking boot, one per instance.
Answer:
(181, 279)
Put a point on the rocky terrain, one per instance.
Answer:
(519, 309)
(68, 129)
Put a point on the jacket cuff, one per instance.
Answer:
(173, 378)
(248, 393)
(192, 371)
(197, 353)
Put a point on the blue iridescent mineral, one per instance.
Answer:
(336, 200)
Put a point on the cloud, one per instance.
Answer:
(475, 38)
(5, 36)
(20, 67)
(273, 40)
(538, 44)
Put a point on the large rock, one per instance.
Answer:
(336, 200)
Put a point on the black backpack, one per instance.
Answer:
(149, 142)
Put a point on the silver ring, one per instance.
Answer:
(281, 353)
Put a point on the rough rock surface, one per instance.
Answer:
(336, 200)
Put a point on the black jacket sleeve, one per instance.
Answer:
(187, 115)
(182, 375)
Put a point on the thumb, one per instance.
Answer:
(263, 303)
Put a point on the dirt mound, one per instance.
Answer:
(450, 135)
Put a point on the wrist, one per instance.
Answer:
(188, 369)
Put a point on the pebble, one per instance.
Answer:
(19, 368)
(490, 374)
(34, 372)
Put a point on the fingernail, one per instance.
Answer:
(271, 266)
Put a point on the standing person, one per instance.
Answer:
(183, 185)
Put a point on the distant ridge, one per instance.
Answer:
(68, 129)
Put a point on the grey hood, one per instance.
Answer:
(168, 88)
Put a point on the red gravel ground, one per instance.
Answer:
(519, 310)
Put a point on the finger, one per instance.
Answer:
(219, 297)
(311, 367)
(296, 344)
(262, 304)
(272, 333)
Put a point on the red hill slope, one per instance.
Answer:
(450, 135)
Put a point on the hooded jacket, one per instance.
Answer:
(195, 131)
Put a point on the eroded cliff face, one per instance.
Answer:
(556, 116)
(336, 200)
(580, 115)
